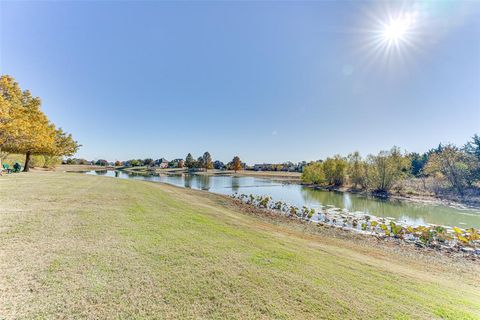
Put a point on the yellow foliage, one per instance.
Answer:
(25, 129)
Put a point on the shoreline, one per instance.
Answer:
(371, 238)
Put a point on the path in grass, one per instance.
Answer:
(78, 246)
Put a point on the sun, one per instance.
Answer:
(394, 36)
(396, 30)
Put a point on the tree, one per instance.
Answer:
(386, 169)
(207, 161)
(83, 161)
(101, 162)
(219, 165)
(11, 121)
(189, 161)
(417, 163)
(313, 173)
(148, 162)
(181, 163)
(134, 163)
(50, 161)
(236, 164)
(25, 129)
(457, 167)
(64, 145)
(37, 135)
(118, 163)
(199, 163)
(356, 171)
(334, 170)
(473, 147)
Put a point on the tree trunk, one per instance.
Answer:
(27, 162)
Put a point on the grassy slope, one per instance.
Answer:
(77, 246)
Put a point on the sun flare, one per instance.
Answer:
(396, 30)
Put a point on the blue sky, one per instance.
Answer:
(268, 81)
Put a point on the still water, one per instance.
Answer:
(295, 194)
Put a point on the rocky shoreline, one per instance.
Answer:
(442, 238)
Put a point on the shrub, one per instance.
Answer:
(335, 170)
(313, 173)
(386, 169)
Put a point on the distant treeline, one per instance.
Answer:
(459, 167)
(204, 162)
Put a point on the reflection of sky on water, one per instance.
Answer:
(295, 194)
(347, 202)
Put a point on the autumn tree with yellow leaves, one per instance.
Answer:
(25, 129)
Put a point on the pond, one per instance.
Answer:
(411, 213)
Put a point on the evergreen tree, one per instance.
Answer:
(199, 164)
(189, 161)
(207, 161)
(473, 147)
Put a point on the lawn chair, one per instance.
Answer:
(6, 167)
(17, 167)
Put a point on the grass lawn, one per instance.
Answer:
(76, 246)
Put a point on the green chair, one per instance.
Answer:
(17, 167)
(6, 167)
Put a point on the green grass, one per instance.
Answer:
(78, 246)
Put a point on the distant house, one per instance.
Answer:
(263, 167)
(162, 163)
(287, 166)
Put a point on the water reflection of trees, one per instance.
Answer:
(101, 172)
(403, 210)
(202, 182)
(197, 181)
(187, 181)
(235, 184)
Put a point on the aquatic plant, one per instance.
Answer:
(263, 202)
(354, 223)
(293, 210)
(397, 230)
(278, 205)
(431, 236)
